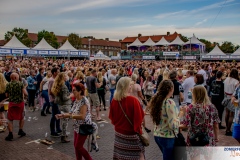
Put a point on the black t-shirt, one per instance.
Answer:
(91, 86)
(221, 95)
(7, 76)
(177, 87)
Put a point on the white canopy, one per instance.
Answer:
(136, 43)
(101, 56)
(162, 41)
(67, 46)
(15, 43)
(216, 52)
(236, 53)
(43, 45)
(149, 42)
(177, 41)
(194, 40)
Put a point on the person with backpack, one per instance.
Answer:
(217, 95)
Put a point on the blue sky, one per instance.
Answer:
(116, 19)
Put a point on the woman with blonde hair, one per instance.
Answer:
(3, 84)
(126, 133)
(101, 90)
(165, 75)
(62, 98)
(179, 75)
(201, 119)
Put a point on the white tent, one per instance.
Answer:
(67, 46)
(101, 56)
(15, 43)
(136, 43)
(194, 40)
(162, 41)
(216, 52)
(236, 53)
(43, 45)
(177, 41)
(149, 42)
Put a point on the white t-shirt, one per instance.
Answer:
(230, 85)
(187, 85)
(45, 83)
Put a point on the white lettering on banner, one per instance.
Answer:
(5, 51)
(53, 52)
(43, 52)
(63, 52)
(84, 53)
(225, 57)
(115, 57)
(234, 56)
(189, 57)
(170, 53)
(17, 51)
(148, 57)
(206, 56)
(215, 56)
(74, 53)
(31, 52)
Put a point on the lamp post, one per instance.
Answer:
(89, 43)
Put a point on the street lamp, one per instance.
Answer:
(89, 43)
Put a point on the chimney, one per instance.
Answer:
(26, 30)
(139, 35)
(107, 39)
(168, 33)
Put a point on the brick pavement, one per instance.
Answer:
(37, 126)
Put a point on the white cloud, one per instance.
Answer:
(166, 15)
(201, 22)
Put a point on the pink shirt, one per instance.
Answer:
(135, 89)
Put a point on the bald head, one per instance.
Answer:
(14, 76)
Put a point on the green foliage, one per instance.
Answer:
(75, 40)
(21, 34)
(227, 47)
(183, 38)
(49, 37)
(208, 44)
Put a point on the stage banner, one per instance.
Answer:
(238, 57)
(170, 53)
(83, 53)
(189, 57)
(74, 53)
(125, 57)
(137, 57)
(53, 52)
(17, 51)
(43, 52)
(148, 57)
(206, 56)
(32, 52)
(225, 57)
(115, 57)
(63, 52)
(5, 51)
(215, 56)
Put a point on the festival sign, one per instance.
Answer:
(238, 57)
(74, 53)
(32, 52)
(137, 57)
(83, 53)
(225, 57)
(206, 56)
(53, 52)
(125, 57)
(170, 53)
(215, 56)
(17, 51)
(115, 57)
(43, 52)
(189, 57)
(63, 52)
(148, 57)
(5, 51)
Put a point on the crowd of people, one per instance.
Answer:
(178, 95)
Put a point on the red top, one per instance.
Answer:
(134, 111)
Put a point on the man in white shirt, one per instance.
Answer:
(187, 85)
(203, 72)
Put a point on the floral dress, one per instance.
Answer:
(76, 110)
(198, 118)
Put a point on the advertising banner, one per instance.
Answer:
(43, 52)
(237, 57)
(125, 57)
(225, 57)
(17, 51)
(115, 57)
(32, 52)
(5, 51)
(74, 53)
(170, 53)
(215, 56)
(189, 57)
(137, 57)
(83, 53)
(63, 52)
(206, 56)
(148, 57)
(53, 52)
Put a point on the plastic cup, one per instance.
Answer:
(235, 103)
(5, 104)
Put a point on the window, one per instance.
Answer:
(84, 46)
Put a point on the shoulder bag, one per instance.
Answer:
(85, 129)
(144, 137)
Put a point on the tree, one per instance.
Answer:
(227, 47)
(49, 37)
(208, 44)
(183, 38)
(75, 40)
(21, 34)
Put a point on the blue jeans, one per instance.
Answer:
(53, 120)
(112, 93)
(166, 145)
(46, 98)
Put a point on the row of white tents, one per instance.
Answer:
(14, 43)
(218, 52)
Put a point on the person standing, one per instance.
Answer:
(15, 91)
(203, 72)
(101, 90)
(92, 85)
(112, 81)
(54, 122)
(32, 89)
(187, 85)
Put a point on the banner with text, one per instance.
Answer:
(170, 53)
